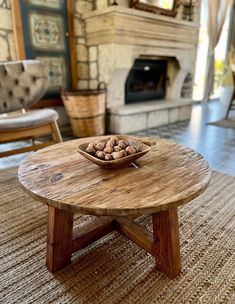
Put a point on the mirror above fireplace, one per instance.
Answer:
(162, 7)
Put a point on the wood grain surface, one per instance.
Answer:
(59, 238)
(168, 176)
(167, 242)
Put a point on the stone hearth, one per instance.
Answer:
(120, 35)
(135, 117)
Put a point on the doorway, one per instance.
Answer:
(221, 51)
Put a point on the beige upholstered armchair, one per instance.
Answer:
(22, 84)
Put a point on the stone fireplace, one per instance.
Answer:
(124, 39)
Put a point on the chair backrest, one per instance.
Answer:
(22, 84)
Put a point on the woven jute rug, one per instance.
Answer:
(114, 270)
(225, 123)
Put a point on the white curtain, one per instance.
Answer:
(217, 10)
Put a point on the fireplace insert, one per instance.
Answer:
(146, 81)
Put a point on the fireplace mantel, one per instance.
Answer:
(122, 25)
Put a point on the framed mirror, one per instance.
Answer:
(162, 7)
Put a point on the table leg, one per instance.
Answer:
(166, 242)
(59, 238)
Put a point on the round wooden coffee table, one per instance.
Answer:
(168, 176)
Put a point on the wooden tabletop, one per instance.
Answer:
(168, 176)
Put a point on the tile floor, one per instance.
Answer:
(216, 144)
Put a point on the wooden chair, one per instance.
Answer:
(231, 106)
(22, 84)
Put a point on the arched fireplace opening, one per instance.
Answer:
(147, 80)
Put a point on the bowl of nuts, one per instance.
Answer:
(114, 152)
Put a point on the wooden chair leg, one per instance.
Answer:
(56, 132)
(231, 104)
(227, 113)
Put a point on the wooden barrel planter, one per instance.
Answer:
(86, 111)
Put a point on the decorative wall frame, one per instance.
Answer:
(41, 45)
(142, 5)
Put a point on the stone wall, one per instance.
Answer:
(87, 65)
(7, 43)
(82, 53)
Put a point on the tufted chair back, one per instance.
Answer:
(22, 84)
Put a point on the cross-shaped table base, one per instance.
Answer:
(163, 243)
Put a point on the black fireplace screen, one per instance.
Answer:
(146, 80)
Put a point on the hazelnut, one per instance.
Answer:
(100, 154)
(114, 138)
(124, 153)
(127, 143)
(117, 148)
(110, 143)
(108, 156)
(99, 145)
(90, 148)
(108, 149)
(122, 144)
(130, 150)
(117, 155)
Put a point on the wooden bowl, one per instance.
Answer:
(143, 148)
